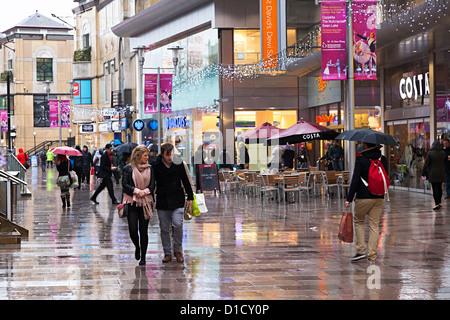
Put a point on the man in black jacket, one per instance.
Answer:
(446, 144)
(105, 173)
(170, 200)
(365, 202)
(87, 164)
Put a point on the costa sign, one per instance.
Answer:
(417, 85)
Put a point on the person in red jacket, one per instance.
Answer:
(22, 157)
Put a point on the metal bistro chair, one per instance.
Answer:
(251, 182)
(230, 180)
(344, 181)
(305, 182)
(267, 184)
(329, 181)
(292, 184)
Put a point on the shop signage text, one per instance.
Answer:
(269, 32)
(417, 85)
(180, 122)
(325, 118)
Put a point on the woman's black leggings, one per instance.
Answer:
(138, 228)
(437, 192)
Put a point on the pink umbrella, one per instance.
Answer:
(303, 131)
(68, 151)
(260, 134)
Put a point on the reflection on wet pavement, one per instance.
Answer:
(238, 250)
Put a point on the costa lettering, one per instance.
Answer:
(418, 85)
(311, 136)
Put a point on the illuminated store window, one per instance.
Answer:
(247, 46)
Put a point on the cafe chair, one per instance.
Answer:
(330, 181)
(268, 185)
(292, 184)
(344, 181)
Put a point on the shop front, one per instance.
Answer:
(259, 154)
(87, 135)
(407, 116)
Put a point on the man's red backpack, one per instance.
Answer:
(378, 181)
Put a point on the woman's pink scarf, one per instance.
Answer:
(141, 177)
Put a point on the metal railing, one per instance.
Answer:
(14, 165)
(11, 180)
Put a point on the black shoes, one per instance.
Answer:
(358, 257)
(115, 202)
(437, 207)
(94, 200)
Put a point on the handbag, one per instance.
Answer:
(74, 179)
(187, 212)
(122, 210)
(346, 228)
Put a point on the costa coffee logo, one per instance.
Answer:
(418, 85)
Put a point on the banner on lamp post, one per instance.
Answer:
(4, 120)
(150, 88)
(333, 35)
(53, 113)
(65, 113)
(364, 19)
(165, 85)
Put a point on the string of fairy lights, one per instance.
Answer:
(415, 14)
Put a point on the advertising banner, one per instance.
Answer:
(150, 88)
(165, 82)
(53, 113)
(4, 120)
(364, 39)
(269, 34)
(65, 113)
(334, 51)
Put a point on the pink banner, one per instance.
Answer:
(150, 92)
(4, 120)
(65, 113)
(150, 88)
(334, 52)
(165, 81)
(364, 39)
(53, 111)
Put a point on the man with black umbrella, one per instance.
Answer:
(105, 171)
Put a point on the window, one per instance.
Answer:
(247, 46)
(44, 68)
(41, 113)
(85, 40)
(82, 92)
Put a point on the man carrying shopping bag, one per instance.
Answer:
(366, 203)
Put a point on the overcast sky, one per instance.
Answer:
(14, 11)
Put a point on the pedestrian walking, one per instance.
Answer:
(77, 165)
(50, 156)
(87, 164)
(23, 158)
(170, 178)
(366, 203)
(96, 161)
(105, 172)
(337, 155)
(43, 157)
(136, 185)
(115, 160)
(63, 165)
(446, 148)
(434, 171)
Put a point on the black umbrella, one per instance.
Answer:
(367, 136)
(126, 147)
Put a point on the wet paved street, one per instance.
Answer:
(238, 250)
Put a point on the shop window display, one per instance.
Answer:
(406, 160)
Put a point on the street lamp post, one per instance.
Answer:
(34, 134)
(175, 60)
(8, 102)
